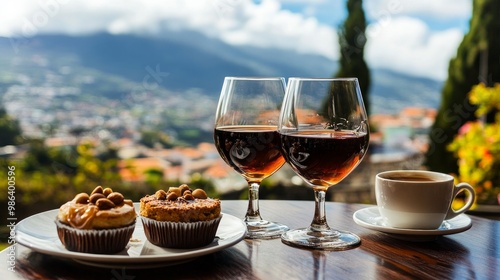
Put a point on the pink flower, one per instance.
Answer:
(465, 128)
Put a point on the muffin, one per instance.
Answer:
(180, 217)
(99, 223)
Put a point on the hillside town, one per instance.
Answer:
(61, 107)
(397, 141)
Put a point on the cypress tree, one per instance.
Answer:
(352, 40)
(477, 61)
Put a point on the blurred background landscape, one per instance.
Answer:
(123, 94)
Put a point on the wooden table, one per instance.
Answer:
(473, 254)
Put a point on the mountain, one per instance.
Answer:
(190, 60)
(169, 83)
(391, 91)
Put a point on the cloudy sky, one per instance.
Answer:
(414, 37)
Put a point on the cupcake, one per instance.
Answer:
(99, 223)
(180, 217)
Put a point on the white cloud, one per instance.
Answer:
(408, 45)
(439, 9)
(266, 25)
(239, 22)
(395, 41)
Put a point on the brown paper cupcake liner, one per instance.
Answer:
(180, 235)
(95, 241)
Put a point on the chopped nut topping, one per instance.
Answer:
(181, 194)
(172, 196)
(94, 197)
(98, 189)
(200, 194)
(161, 194)
(116, 198)
(104, 204)
(107, 191)
(81, 198)
(184, 188)
(175, 190)
(103, 198)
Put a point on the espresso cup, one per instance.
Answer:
(417, 199)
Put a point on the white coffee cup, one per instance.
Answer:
(417, 199)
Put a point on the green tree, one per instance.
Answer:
(477, 61)
(352, 40)
(10, 130)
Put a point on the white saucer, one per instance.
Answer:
(370, 218)
(39, 233)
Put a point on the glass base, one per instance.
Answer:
(322, 240)
(264, 229)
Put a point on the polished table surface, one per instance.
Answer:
(473, 254)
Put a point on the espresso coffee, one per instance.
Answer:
(409, 178)
(417, 199)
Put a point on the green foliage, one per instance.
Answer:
(476, 61)
(50, 176)
(352, 40)
(198, 182)
(151, 138)
(92, 172)
(477, 146)
(9, 129)
(47, 177)
(154, 177)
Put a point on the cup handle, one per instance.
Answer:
(470, 200)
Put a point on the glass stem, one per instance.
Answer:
(253, 213)
(319, 222)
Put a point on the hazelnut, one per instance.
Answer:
(82, 198)
(107, 191)
(94, 197)
(184, 188)
(129, 202)
(175, 190)
(98, 189)
(199, 193)
(116, 197)
(104, 204)
(188, 196)
(161, 194)
(172, 196)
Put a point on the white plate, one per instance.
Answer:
(39, 233)
(370, 218)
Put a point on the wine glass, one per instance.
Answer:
(324, 134)
(246, 138)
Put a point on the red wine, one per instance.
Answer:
(323, 158)
(253, 151)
